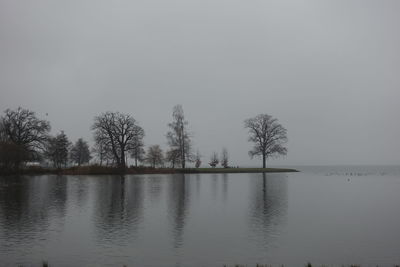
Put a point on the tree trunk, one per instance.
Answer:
(264, 161)
(183, 156)
(183, 147)
(122, 161)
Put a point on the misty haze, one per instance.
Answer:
(199, 133)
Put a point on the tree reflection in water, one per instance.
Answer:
(28, 205)
(179, 195)
(119, 207)
(154, 187)
(268, 206)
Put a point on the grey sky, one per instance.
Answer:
(328, 70)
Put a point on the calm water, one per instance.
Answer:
(326, 215)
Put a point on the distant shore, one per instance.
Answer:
(102, 170)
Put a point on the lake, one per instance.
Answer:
(323, 215)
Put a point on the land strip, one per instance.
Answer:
(101, 170)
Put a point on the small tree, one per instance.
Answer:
(102, 152)
(57, 150)
(80, 153)
(224, 158)
(138, 153)
(173, 156)
(198, 159)
(155, 156)
(214, 160)
(267, 135)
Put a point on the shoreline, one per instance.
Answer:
(101, 170)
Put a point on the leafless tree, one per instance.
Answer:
(173, 156)
(24, 133)
(178, 137)
(154, 156)
(103, 152)
(267, 135)
(214, 160)
(197, 159)
(119, 133)
(80, 152)
(138, 153)
(57, 150)
(225, 158)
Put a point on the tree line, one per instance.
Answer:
(25, 138)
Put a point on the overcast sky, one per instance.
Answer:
(328, 70)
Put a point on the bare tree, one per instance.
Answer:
(179, 138)
(103, 152)
(155, 156)
(97, 151)
(214, 160)
(267, 135)
(138, 153)
(197, 159)
(80, 152)
(57, 150)
(225, 158)
(119, 133)
(25, 134)
(173, 156)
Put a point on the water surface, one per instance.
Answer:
(326, 215)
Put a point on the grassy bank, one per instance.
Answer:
(102, 170)
(45, 264)
(236, 170)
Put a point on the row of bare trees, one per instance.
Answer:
(117, 136)
(25, 138)
(215, 160)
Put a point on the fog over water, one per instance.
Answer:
(328, 70)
